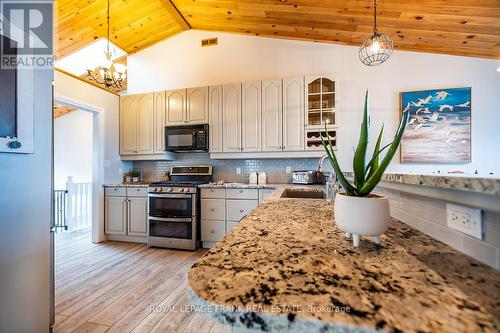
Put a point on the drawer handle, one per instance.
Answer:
(212, 231)
(138, 189)
(212, 191)
(241, 191)
(241, 210)
(212, 209)
(115, 189)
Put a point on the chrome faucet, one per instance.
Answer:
(320, 162)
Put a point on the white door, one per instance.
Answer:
(250, 116)
(215, 118)
(272, 115)
(293, 114)
(232, 118)
(137, 216)
(145, 129)
(159, 122)
(175, 107)
(115, 215)
(128, 125)
(197, 105)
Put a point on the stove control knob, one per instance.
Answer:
(170, 189)
(155, 189)
(181, 190)
(160, 190)
(187, 190)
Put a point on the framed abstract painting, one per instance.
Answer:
(439, 128)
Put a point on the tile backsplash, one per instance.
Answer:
(226, 169)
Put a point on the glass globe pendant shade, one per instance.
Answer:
(376, 49)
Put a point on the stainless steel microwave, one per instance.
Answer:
(186, 138)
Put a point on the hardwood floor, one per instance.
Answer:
(123, 287)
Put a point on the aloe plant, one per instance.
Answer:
(366, 175)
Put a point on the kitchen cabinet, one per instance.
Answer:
(272, 116)
(137, 216)
(186, 106)
(137, 124)
(115, 217)
(231, 139)
(264, 194)
(250, 116)
(128, 125)
(215, 125)
(222, 209)
(320, 101)
(126, 213)
(145, 136)
(159, 122)
(197, 106)
(293, 114)
(175, 107)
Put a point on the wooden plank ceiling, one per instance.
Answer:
(459, 27)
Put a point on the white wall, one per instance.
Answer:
(181, 62)
(72, 88)
(73, 148)
(25, 212)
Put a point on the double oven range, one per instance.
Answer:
(174, 208)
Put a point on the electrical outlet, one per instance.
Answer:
(288, 169)
(465, 219)
(238, 171)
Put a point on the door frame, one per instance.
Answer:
(98, 132)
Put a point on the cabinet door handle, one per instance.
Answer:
(212, 231)
(241, 210)
(212, 209)
(241, 191)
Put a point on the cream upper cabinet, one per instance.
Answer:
(145, 130)
(293, 114)
(175, 103)
(159, 122)
(197, 106)
(272, 115)
(232, 118)
(250, 116)
(128, 125)
(215, 118)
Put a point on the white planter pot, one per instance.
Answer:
(135, 179)
(362, 216)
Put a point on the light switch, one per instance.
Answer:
(238, 171)
(288, 169)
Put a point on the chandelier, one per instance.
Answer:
(378, 47)
(108, 74)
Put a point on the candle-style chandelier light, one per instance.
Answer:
(110, 75)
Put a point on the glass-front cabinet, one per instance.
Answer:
(320, 109)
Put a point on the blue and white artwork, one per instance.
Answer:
(439, 128)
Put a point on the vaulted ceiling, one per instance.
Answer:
(459, 27)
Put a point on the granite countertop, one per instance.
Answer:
(140, 184)
(241, 185)
(286, 267)
(458, 182)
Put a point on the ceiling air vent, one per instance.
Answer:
(209, 42)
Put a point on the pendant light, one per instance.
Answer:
(110, 75)
(378, 47)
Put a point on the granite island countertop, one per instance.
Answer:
(286, 267)
(452, 182)
(139, 184)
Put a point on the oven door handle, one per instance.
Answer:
(166, 219)
(170, 196)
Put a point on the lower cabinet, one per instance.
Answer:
(222, 209)
(126, 215)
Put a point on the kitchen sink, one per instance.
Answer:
(303, 194)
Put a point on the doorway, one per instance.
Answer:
(73, 144)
